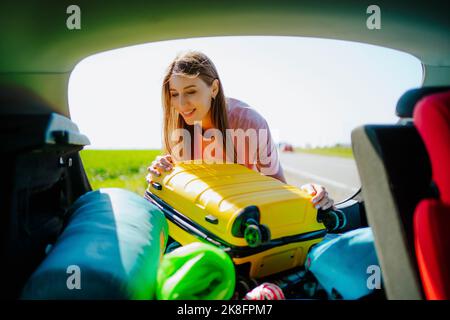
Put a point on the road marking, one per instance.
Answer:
(319, 179)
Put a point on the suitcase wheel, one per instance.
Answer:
(255, 234)
(333, 220)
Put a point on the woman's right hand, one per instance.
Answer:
(160, 164)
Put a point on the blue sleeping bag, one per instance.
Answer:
(110, 249)
(346, 265)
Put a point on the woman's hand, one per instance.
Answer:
(160, 164)
(321, 200)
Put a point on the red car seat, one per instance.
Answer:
(432, 216)
(396, 176)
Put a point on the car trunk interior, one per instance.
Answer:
(43, 173)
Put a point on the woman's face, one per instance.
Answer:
(191, 97)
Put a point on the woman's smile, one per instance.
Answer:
(188, 114)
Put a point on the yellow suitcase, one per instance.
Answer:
(265, 225)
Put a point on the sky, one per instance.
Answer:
(312, 92)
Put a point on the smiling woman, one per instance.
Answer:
(311, 93)
(193, 96)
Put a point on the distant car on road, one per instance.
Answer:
(285, 147)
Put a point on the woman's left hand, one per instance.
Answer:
(320, 199)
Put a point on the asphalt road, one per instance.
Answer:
(338, 175)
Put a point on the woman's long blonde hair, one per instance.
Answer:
(192, 64)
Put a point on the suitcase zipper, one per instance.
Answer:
(183, 222)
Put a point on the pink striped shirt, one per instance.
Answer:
(259, 151)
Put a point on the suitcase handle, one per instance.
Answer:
(156, 185)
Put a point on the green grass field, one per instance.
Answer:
(118, 168)
(337, 151)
